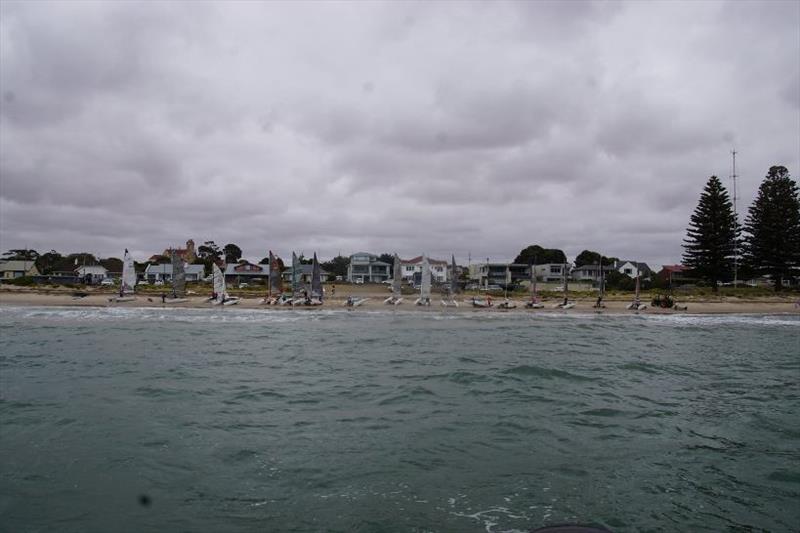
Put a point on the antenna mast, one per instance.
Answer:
(736, 214)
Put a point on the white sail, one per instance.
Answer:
(219, 283)
(425, 285)
(128, 274)
(398, 277)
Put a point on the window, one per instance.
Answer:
(628, 271)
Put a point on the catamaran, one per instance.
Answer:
(128, 283)
(178, 281)
(566, 304)
(453, 287)
(425, 284)
(506, 303)
(534, 303)
(220, 296)
(397, 280)
(636, 304)
(274, 274)
(317, 293)
(297, 281)
(599, 304)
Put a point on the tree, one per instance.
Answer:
(46, 263)
(389, 259)
(542, 255)
(712, 235)
(209, 250)
(772, 227)
(587, 257)
(232, 253)
(21, 255)
(337, 266)
(82, 258)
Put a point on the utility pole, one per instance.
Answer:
(735, 214)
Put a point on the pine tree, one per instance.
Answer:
(712, 235)
(773, 227)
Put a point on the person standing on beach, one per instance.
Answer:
(163, 297)
(333, 290)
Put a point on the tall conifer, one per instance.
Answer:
(773, 227)
(712, 236)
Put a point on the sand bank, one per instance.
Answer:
(769, 305)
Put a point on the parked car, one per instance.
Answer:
(159, 282)
(243, 285)
(492, 288)
(143, 282)
(359, 281)
(107, 282)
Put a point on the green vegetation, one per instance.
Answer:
(773, 227)
(541, 255)
(712, 236)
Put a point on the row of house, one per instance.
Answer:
(368, 268)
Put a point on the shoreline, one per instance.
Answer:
(616, 307)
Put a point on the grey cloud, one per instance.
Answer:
(466, 128)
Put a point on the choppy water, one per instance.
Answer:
(236, 420)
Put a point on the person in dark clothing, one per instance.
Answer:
(163, 298)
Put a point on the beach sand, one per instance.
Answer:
(96, 298)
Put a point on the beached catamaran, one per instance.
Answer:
(221, 296)
(452, 289)
(128, 283)
(636, 304)
(268, 299)
(566, 304)
(178, 281)
(534, 303)
(425, 284)
(317, 294)
(602, 294)
(397, 280)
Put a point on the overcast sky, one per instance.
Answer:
(435, 127)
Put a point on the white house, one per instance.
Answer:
(163, 272)
(95, 273)
(440, 270)
(633, 268)
(551, 272)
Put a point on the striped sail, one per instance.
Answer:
(128, 274)
(397, 279)
(178, 276)
(316, 279)
(219, 283)
(425, 286)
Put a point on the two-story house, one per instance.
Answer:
(439, 269)
(366, 267)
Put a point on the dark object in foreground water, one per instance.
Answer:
(571, 529)
(144, 500)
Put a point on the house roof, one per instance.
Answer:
(166, 268)
(643, 268)
(16, 265)
(418, 259)
(92, 269)
(246, 269)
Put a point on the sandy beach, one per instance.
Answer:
(696, 305)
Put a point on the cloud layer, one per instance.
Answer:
(466, 128)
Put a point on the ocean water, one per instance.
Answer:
(255, 420)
